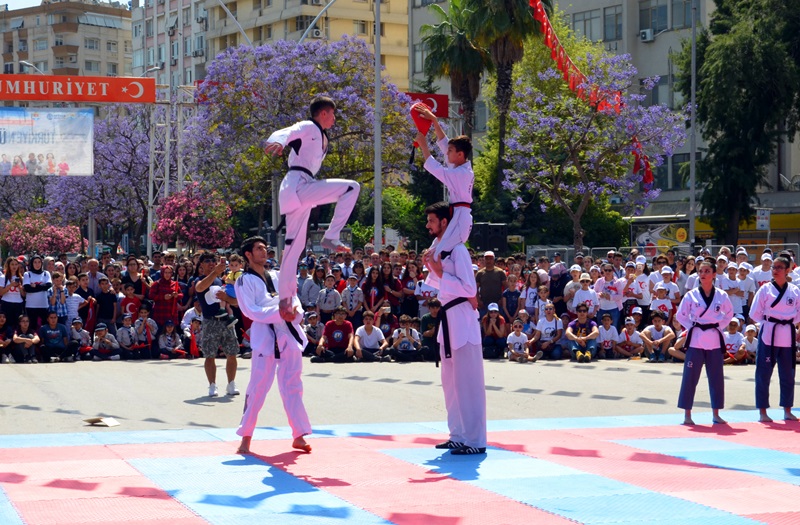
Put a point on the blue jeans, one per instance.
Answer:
(494, 347)
(591, 347)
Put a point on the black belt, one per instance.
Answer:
(444, 326)
(775, 322)
(707, 326)
(300, 168)
(460, 205)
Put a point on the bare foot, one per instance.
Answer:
(719, 421)
(788, 416)
(687, 421)
(300, 444)
(334, 245)
(763, 418)
(244, 446)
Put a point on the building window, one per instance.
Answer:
(59, 62)
(187, 75)
(681, 13)
(653, 15)
(8, 69)
(151, 56)
(200, 43)
(678, 161)
(612, 23)
(111, 46)
(359, 27)
(112, 69)
(40, 45)
(301, 23)
(91, 43)
(187, 46)
(268, 32)
(161, 54)
(137, 30)
(658, 95)
(148, 28)
(588, 24)
(186, 16)
(138, 58)
(419, 58)
(91, 66)
(256, 5)
(23, 45)
(661, 177)
(128, 46)
(58, 40)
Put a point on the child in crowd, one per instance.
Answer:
(127, 338)
(130, 304)
(662, 302)
(544, 298)
(629, 342)
(25, 340)
(406, 342)
(170, 345)
(80, 341)
(193, 338)
(328, 300)
(563, 342)
(57, 298)
(226, 311)
(74, 300)
(518, 345)
(509, 301)
(586, 295)
(54, 338)
(607, 339)
(735, 351)
(528, 327)
(657, 337)
(313, 329)
(370, 343)
(105, 345)
(548, 333)
(751, 342)
(146, 330)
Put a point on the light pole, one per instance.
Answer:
(241, 29)
(154, 68)
(692, 131)
(378, 240)
(28, 64)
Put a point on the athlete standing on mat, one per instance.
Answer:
(705, 312)
(277, 346)
(300, 192)
(459, 340)
(775, 307)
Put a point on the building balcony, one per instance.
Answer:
(66, 70)
(65, 27)
(8, 57)
(65, 50)
(22, 55)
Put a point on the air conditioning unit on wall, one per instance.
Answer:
(646, 35)
(316, 33)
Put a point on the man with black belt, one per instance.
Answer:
(459, 338)
(775, 307)
(300, 192)
(705, 312)
(277, 345)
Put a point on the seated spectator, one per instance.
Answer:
(6, 340)
(493, 327)
(191, 314)
(370, 343)
(25, 341)
(105, 346)
(607, 339)
(405, 342)
(751, 342)
(193, 339)
(387, 322)
(428, 326)
(80, 341)
(582, 334)
(146, 330)
(629, 342)
(548, 333)
(657, 337)
(735, 351)
(313, 329)
(528, 326)
(128, 339)
(337, 340)
(54, 338)
(518, 345)
(676, 350)
(170, 345)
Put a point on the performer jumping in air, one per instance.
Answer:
(457, 176)
(300, 192)
(277, 346)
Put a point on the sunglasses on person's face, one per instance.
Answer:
(549, 309)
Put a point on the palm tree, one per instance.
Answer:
(502, 26)
(453, 53)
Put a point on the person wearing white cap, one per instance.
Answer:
(747, 285)
(735, 351)
(704, 311)
(277, 347)
(655, 276)
(629, 342)
(722, 281)
(573, 286)
(494, 333)
(586, 296)
(763, 274)
(751, 342)
(459, 339)
(775, 307)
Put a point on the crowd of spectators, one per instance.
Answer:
(375, 306)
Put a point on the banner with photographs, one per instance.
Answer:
(45, 141)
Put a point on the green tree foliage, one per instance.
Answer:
(748, 99)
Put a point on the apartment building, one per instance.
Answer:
(180, 36)
(77, 37)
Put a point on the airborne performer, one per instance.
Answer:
(300, 192)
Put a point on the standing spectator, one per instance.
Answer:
(107, 306)
(374, 294)
(494, 333)
(129, 304)
(392, 288)
(353, 301)
(302, 277)
(609, 293)
(328, 299)
(134, 277)
(311, 289)
(94, 274)
(490, 282)
(572, 287)
(408, 281)
(54, 338)
(166, 295)
(85, 310)
(36, 282)
(763, 274)
(529, 295)
(26, 340)
(586, 296)
(358, 271)
(429, 324)
(12, 301)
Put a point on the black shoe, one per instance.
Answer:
(317, 359)
(449, 444)
(466, 451)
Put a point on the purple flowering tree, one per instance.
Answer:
(117, 192)
(568, 152)
(249, 93)
(197, 216)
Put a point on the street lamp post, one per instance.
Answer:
(154, 68)
(692, 131)
(28, 64)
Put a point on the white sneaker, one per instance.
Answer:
(114, 358)
(212, 390)
(6, 359)
(34, 361)
(232, 390)
(11, 360)
(96, 358)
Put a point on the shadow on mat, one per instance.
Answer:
(463, 468)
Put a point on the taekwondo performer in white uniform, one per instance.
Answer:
(277, 345)
(459, 340)
(775, 308)
(457, 176)
(705, 312)
(300, 192)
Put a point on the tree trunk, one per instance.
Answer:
(261, 211)
(732, 229)
(577, 233)
(469, 117)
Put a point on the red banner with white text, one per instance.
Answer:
(56, 88)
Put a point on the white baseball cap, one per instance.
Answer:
(766, 257)
(575, 268)
(641, 259)
(750, 327)
(493, 307)
(722, 258)
(636, 310)
(488, 253)
(733, 266)
(734, 320)
(746, 266)
(666, 269)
